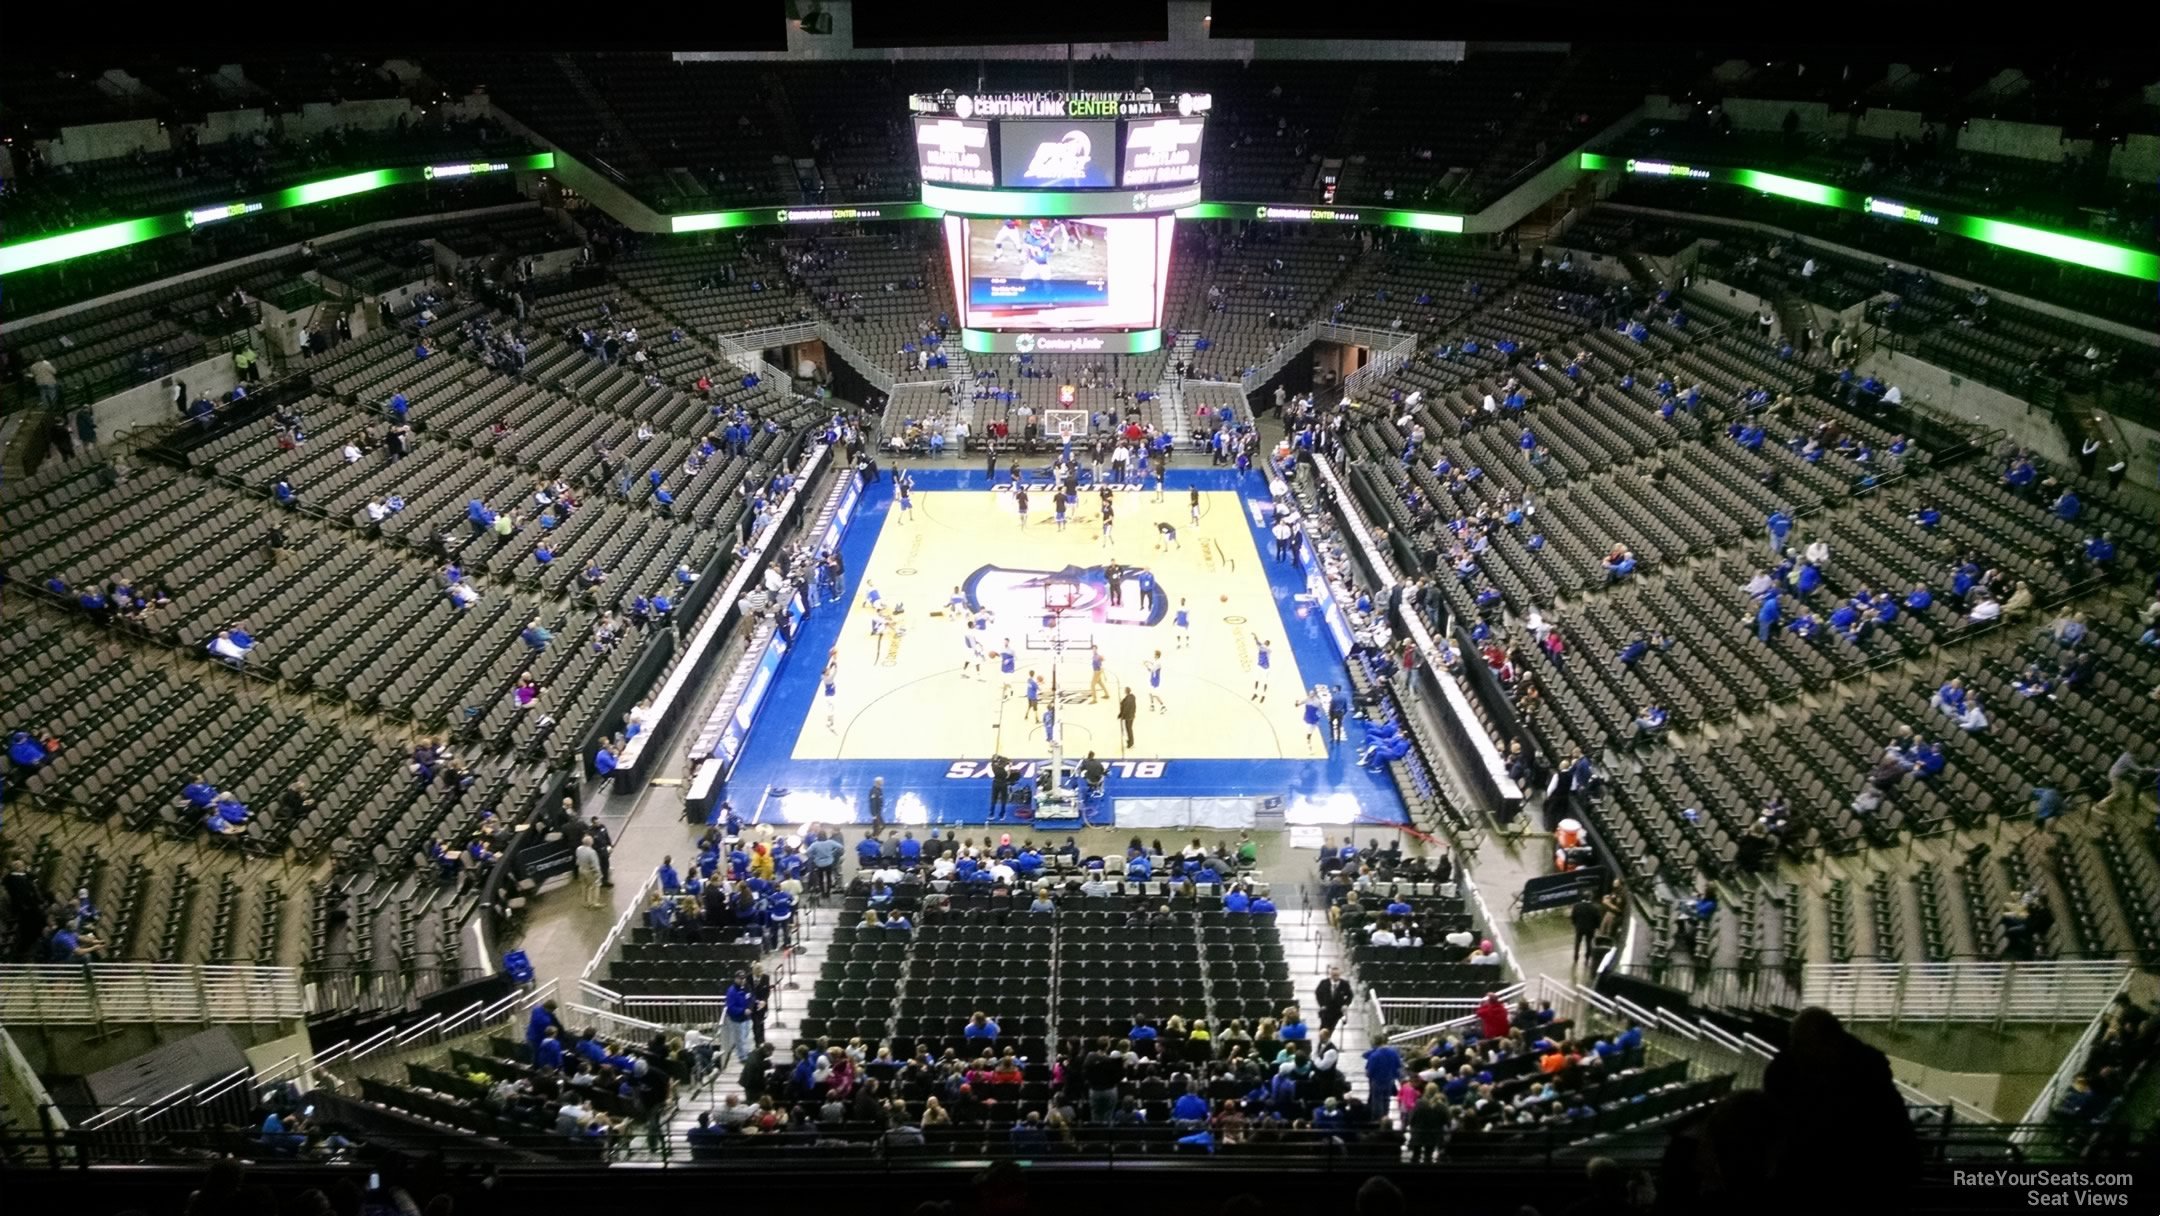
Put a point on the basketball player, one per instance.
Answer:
(877, 632)
(907, 504)
(1167, 534)
(972, 653)
(1311, 702)
(1260, 669)
(1049, 721)
(1154, 684)
(831, 678)
(1057, 503)
(1195, 500)
(1109, 519)
(1095, 673)
(1034, 695)
(1005, 665)
(874, 598)
(1020, 502)
(956, 606)
(893, 633)
(1183, 620)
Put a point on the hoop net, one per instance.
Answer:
(1065, 425)
(1059, 628)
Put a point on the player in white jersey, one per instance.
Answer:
(1194, 498)
(1154, 683)
(832, 691)
(972, 653)
(1006, 245)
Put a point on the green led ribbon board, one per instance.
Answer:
(2047, 243)
(61, 247)
(1299, 213)
(1007, 342)
(1050, 203)
(709, 221)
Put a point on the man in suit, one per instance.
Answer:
(1333, 998)
(1586, 915)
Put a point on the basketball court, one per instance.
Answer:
(938, 594)
(916, 688)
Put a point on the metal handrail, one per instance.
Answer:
(126, 993)
(622, 926)
(2054, 991)
(2073, 1063)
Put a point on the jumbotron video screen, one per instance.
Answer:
(1100, 273)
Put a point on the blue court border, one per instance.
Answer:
(767, 760)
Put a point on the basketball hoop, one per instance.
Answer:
(1066, 425)
(1059, 595)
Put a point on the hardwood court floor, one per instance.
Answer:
(911, 700)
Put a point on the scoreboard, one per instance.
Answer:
(1059, 212)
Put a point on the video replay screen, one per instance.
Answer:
(1057, 155)
(1061, 273)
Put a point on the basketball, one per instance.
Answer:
(1225, 599)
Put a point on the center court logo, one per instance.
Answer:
(1018, 594)
(1065, 160)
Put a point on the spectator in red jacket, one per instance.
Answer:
(1492, 1017)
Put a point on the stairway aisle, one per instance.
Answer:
(814, 937)
(1310, 947)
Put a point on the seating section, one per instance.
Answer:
(32, 292)
(702, 967)
(1428, 968)
(1099, 965)
(373, 714)
(491, 1088)
(2093, 292)
(1925, 172)
(159, 900)
(1080, 973)
(1517, 509)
